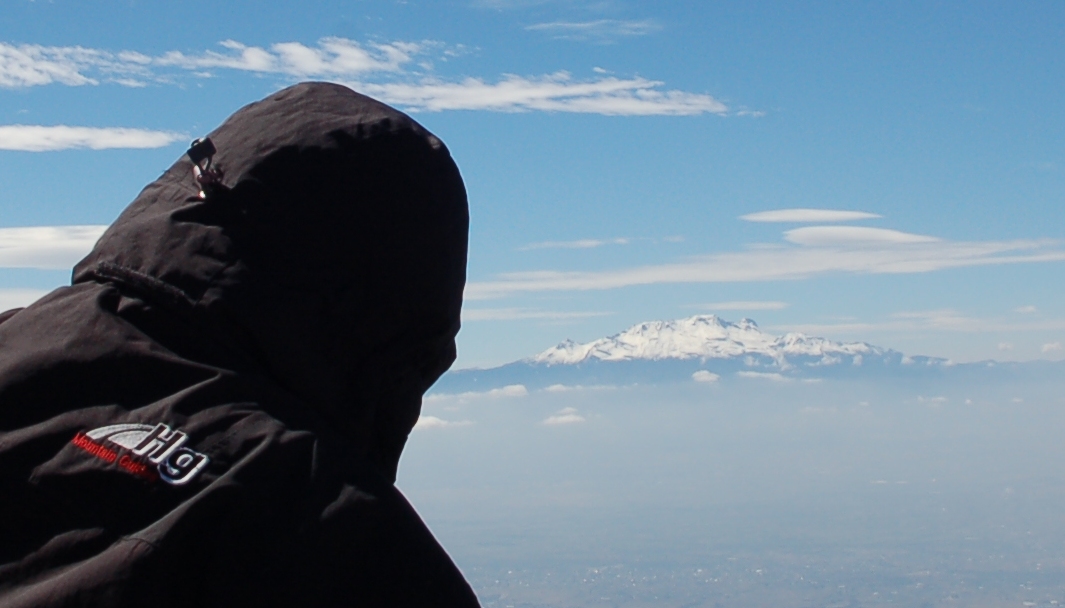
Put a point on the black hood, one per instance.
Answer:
(333, 258)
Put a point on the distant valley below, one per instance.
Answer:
(649, 472)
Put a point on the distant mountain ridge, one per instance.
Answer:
(706, 337)
(707, 348)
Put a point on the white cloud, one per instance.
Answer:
(578, 244)
(19, 298)
(564, 388)
(567, 415)
(926, 320)
(705, 376)
(1005, 346)
(132, 83)
(816, 255)
(35, 65)
(600, 30)
(511, 390)
(808, 215)
(508, 4)
(522, 314)
(37, 138)
(399, 69)
(1025, 310)
(853, 236)
(775, 377)
(1051, 347)
(333, 57)
(30, 65)
(46, 247)
(432, 422)
(557, 92)
(745, 305)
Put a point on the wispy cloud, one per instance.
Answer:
(508, 4)
(939, 319)
(817, 252)
(928, 320)
(19, 298)
(511, 390)
(759, 305)
(801, 216)
(37, 138)
(578, 244)
(1051, 347)
(522, 314)
(29, 65)
(558, 92)
(775, 377)
(567, 415)
(853, 236)
(565, 388)
(395, 72)
(1025, 310)
(46, 247)
(599, 30)
(332, 57)
(432, 422)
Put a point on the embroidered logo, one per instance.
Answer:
(151, 452)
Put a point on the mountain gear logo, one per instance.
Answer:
(136, 447)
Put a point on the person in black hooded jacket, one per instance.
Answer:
(212, 414)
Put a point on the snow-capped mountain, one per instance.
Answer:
(706, 337)
(701, 347)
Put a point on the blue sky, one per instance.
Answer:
(624, 160)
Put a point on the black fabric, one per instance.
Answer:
(284, 331)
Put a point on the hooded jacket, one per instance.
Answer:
(212, 414)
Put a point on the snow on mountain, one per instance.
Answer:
(706, 349)
(705, 337)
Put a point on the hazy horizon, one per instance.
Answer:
(856, 488)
